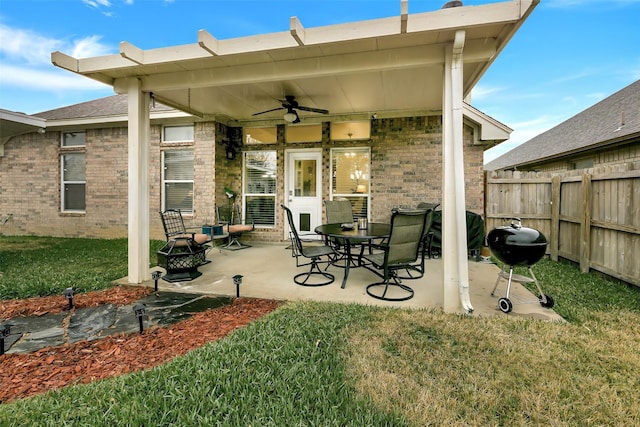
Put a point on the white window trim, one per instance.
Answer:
(368, 193)
(176, 181)
(246, 194)
(63, 183)
(191, 125)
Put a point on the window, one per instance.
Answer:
(582, 164)
(177, 133)
(260, 187)
(73, 139)
(73, 182)
(177, 180)
(267, 135)
(350, 174)
(303, 133)
(72, 172)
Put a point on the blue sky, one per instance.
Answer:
(567, 56)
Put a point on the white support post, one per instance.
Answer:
(138, 206)
(454, 225)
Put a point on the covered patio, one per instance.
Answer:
(268, 271)
(402, 66)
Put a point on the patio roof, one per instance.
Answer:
(390, 66)
(399, 66)
(13, 123)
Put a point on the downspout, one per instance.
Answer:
(454, 233)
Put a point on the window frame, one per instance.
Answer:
(177, 141)
(245, 186)
(72, 150)
(353, 196)
(165, 181)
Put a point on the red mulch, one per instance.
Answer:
(23, 375)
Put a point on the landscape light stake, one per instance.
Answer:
(139, 310)
(4, 332)
(68, 293)
(156, 275)
(237, 280)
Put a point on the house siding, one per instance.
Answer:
(612, 156)
(406, 169)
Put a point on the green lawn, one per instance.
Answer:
(321, 364)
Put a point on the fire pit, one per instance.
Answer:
(516, 245)
(181, 259)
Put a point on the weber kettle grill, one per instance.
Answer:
(516, 245)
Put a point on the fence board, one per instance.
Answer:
(591, 217)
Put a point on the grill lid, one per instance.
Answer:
(517, 245)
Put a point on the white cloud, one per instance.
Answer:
(97, 3)
(480, 92)
(522, 132)
(25, 65)
(26, 46)
(52, 79)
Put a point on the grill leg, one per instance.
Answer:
(509, 283)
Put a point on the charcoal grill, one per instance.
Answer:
(516, 245)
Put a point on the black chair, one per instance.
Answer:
(399, 252)
(229, 217)
(341, 212)
(417, 270)
(184, 251)
(314, 253)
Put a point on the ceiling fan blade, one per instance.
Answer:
(314, 110)
(268, 111)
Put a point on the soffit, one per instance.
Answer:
(353, 69)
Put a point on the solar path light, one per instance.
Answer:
(237, 280)
(5, 330)
(139, 310)
(156, 275)
(68, 294)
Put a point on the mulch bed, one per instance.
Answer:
(23, 375)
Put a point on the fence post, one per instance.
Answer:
(554, 238)
(585, 224)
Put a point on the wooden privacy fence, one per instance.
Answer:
(591, 217)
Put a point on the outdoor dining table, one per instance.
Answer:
(374, 230)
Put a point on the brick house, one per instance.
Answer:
(374, 111)
(607, 134)
(33, 184)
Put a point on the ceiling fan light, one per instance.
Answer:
(290, 117)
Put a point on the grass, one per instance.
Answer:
(321, 364)
(42, 266)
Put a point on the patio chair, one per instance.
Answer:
(417, 270)
(399, 252)
(231, 220)
(184, 251)
(174, 229)
(313, 253)
(340, 211)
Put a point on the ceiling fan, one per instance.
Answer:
(290, 104)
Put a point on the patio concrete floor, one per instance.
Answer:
(268, 271)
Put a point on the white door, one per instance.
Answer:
(303, 189)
